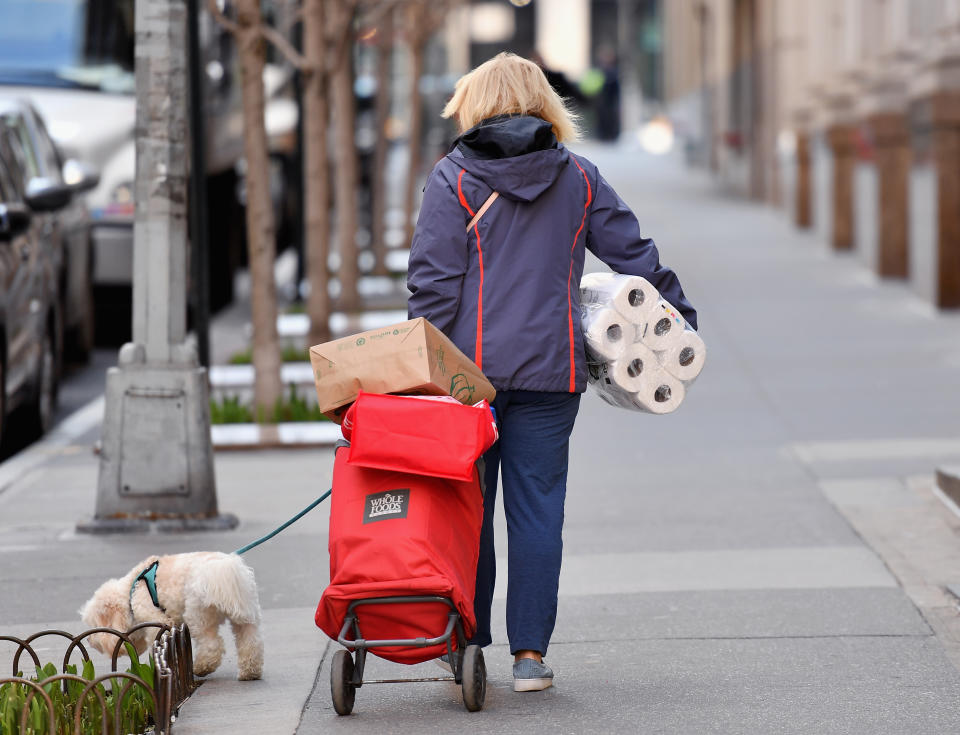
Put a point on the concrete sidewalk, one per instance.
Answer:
(715, 573)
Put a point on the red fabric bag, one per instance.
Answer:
(425, 435)
(394, 533)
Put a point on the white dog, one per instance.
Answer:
(201, 589)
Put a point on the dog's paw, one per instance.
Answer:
(251, 674)
(203, 669)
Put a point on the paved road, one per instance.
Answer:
(709, 584)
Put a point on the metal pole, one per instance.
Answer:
(198, 189)
(156, 464)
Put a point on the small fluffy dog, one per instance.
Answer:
(201, 589)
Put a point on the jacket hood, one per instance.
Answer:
(517, 155)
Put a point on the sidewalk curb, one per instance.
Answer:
(292, 435)
(947, 487)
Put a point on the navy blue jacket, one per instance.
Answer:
(507, 293)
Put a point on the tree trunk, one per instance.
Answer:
(379, 183)
(316, 182)
(260, 227)
(345, 161)
(416, 124)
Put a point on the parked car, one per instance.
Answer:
(73, 59)
(66, 226)
(30, 316)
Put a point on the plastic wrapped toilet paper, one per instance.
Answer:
(662, 393)
(632, 296)
(664, 328)
(684, 359)
(643, 360)
(605, 332)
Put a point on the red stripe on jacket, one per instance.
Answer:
(478, 350)
(583, 220)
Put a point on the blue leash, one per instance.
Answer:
(293, 520)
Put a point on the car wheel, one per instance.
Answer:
(40, 410)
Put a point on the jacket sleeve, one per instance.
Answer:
(614, 237)
(438, 255)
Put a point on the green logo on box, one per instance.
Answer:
(360, 341)
(461, 389)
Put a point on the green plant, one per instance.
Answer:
(135, 707)
(289, 408)
(230, 411)
(289, 353)
(295, 408)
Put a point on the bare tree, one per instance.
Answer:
(382, 111)
(339, 34)
(316, 174)
(250, 33)
(423, 18)
(327, 44)
(339, 23)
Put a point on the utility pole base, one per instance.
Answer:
(108, 526)
(156, 462)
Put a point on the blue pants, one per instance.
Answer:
(532, 457)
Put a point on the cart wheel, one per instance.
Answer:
(342, 688)
(474, 682)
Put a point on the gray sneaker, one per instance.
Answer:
(444, 662)
(530, 675)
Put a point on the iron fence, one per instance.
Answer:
(35, 707)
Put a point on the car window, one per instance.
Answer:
(22, 145)
(4, 186)
(11, 175)
(8, 192)
(48, 157)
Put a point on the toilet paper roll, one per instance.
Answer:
(605, 332)
(630, 371)
(664, 328)
(632, 296)
(662, 394)
(684, 359)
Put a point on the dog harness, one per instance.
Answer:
(148, 575)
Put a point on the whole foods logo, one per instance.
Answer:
(386, 505)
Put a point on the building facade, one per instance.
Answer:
(844, 112)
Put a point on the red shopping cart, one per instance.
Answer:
(403, 558)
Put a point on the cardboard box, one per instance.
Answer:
(412, 358)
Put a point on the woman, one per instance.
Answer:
(506, 291)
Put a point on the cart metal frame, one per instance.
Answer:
(466, 661)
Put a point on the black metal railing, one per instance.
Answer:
(31, 706)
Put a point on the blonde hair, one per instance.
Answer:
(509, 84)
